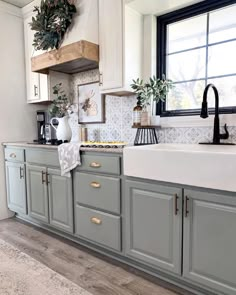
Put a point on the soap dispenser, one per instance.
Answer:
(137, 112)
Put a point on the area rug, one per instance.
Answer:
(22, 275)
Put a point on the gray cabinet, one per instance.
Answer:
(14, 154)
(210, 240)
(37, 193)
(16, 187)
(97, 200)
(50, 197)
(153, 224)
(100, 192)
(60, 200)
(93, 162)
(99, 227)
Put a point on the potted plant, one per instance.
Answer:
(151, 92)
(60, 109)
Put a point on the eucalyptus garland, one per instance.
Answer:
(52, 19)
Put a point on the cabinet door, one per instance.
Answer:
(210, 240)
(111, 43)
(153, 224)
(37, 84)
(60, 200)
(37, 193)
(16, 187)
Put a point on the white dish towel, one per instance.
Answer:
(69, 157)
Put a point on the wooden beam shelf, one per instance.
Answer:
(73, 58)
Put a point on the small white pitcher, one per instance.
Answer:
(63, 130)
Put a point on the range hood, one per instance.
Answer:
(73, 58)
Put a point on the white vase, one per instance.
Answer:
(63, 130)
(154, 120)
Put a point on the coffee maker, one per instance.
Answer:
(46, 133)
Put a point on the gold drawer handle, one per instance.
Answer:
(96, 220)
(12, 155)
(95, 184)
(95, 165)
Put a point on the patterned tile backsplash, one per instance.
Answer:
(118, 114)
(119, 120)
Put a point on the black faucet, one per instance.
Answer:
(204, 114)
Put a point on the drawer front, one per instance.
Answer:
(98, 191)
(14, 154)
(98, 227)
(102, 164)
(48, 158)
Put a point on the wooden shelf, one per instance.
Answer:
(73, 58)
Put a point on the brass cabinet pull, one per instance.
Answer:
(21, 173)
(95, 165)
(95, 184)
(186, 206)
(12, 155)
(96, 220)
(43, 179)
(176, 204)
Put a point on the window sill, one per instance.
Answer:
(196, 121)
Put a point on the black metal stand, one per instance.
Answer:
(145, 135)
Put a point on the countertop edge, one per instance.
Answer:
(53, 147)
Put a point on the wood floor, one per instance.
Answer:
(93, 272)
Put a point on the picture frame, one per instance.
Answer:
(91, 104)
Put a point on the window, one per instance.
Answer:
(197, 46)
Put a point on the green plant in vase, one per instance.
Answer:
(60, 109)
(152, 91)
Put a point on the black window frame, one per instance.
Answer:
(162, 22)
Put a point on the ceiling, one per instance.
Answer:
(158, 7)
(18, 3)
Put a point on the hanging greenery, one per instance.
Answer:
(62, 105)
(52, 19)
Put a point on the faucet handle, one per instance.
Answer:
(226, 134)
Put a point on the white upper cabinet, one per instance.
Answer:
(120, 46)
(110, 44)
(32, 79)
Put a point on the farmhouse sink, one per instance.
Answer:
(208, 166)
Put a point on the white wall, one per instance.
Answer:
(17, 119)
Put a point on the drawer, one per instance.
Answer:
(102, 228)
(102, 164)
(48, 158)
(98, 191)
(15, 154)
